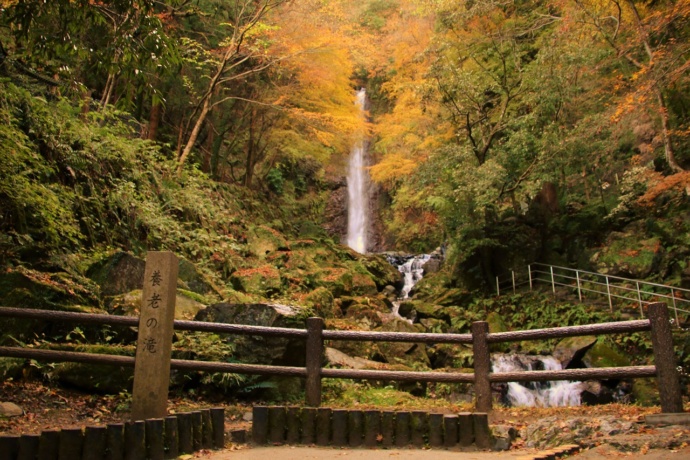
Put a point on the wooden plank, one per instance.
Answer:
(218, 427)
(665, 359)
(482, 366)
(95, 441)
(314, 359)
(668, 419)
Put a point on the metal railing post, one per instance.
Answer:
(639, 299)
(529, 272)
(553, 282)
(579, 291)
(314, 356)
(482, 366)
(665, 358)
(498, 288)
(608, 292)
(513, 273)
(675, 310)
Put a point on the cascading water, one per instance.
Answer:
(358, 188)
(541, 394)
(412, 269)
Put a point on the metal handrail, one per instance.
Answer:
(587, 282)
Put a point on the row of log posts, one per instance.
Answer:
(324, 426)
(154, 439)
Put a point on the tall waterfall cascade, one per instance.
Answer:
(358, 187)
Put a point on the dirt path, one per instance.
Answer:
(322, 453)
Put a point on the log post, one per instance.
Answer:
(172, 446)
(292, 421)
(276, 424)
(387, 428)
(339, 437)
(323, 426)
(94, 443)
(135, 440)
(314, 357)
(218, 424)
(28, 447)
(9, 446)
(184, 433)
(402, 429)
(206, 429)
(665, 359)
(115, 442)
(71, 442)
(154, 343)
(155, 449)
(435, 430)
(372, 427)
(308, 424)
(482, 366)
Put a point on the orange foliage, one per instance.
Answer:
(660, 184)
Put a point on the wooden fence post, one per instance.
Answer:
(482, 366)
(665, 359)
(314, 357)
(154, 343)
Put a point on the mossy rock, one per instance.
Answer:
(572, 349)
(497, 324)
(118, 273)
(363, 285)
(627, 255)
(193, 279)
(257, 349)
(11, 368)
(382, 272)
(429, 310)
(363, 349)
(263, 240)
(95, 377)
(366, 316)
(339, 281)
(407, 354)
(646, 392)
(264, 280)
(451, 356)
(321, 300)
(436, 326)
(26, 288)
(601, 355)
(187, 304)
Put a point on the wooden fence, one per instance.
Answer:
(658, 323)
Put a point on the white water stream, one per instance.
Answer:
(358, 188)
(540, 394)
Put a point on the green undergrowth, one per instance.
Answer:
(352, 394)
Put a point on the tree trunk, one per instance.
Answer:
(154, 120)
(194, 135)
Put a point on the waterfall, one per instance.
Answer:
(358, 188)
(412, 271)
(542, 394)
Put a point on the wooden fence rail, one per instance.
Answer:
(658, 324)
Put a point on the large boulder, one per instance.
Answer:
(262, 241)
(117, 274)
(258, 349)
(129, 304)
(21, 287)
(405, 353)
(572, 349)
(264, 281)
